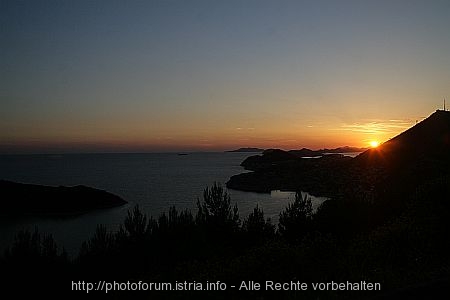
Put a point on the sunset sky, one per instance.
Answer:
(83, 76)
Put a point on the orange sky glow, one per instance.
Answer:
(214, 76)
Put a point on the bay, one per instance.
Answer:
(154, 181)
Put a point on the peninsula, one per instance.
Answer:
(20, 199)
(419, 154)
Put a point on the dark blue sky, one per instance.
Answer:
(208, 75)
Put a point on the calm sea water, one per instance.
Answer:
(153, 181)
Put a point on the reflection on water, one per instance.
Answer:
(290, 196)
(70, 232)
(153, 181)
(350, 154)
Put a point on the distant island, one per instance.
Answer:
(386, 222)
(418, 154)
(305, 152)
(248, 149)
(32, 199)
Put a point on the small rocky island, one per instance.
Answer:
(20, 199)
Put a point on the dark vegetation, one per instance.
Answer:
(343, 242)
(383, 225)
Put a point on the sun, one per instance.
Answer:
(374, 144)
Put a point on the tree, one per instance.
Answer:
(256, 226)
(33, 247)
(295, 220)
(216, 211)
(100, 245)
(136, 224)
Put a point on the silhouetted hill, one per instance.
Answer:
(305, 152)
(281, 170)
(272, 157)
(388, 223)
(31, 199)
(418, 154)
(429, 138)
(248, 149)
(345, 149)
(268, 158)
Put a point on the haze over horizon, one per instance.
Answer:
(129, 76)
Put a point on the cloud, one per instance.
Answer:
(376, 126)
(248, 128)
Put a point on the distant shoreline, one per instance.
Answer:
(247, 149)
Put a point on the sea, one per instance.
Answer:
(153, 181)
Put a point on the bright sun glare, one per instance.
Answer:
(374, 144)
